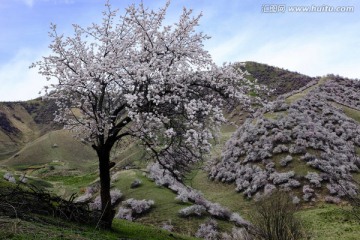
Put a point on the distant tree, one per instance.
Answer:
(134, 76)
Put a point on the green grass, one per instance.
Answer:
(55, 147)
(58, 230)
(224, 194)
(76, 181)
(275, 115)
(166, 207)
(329, 222)
(299, 95)
(352, 113)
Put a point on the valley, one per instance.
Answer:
(247, 159)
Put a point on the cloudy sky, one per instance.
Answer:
(315, 43)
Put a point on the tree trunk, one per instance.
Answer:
(108, 212)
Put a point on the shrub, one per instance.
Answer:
(136, 183)
(273, 218)
(218, 211)
(279, 178)
(314, 179)
(237, 234)
(115, 197)
(167, 226)
(124, 213)
(23, 179)
(280, 149)
(139, 206)
(194, 210)
(286, 160)
(133, 208)
(9, 177)
(208, 230)
(238, 220)
(332, 199)
(308, 193)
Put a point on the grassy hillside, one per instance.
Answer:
(17, 229)
(35, 226)
(281, 80)
(23, 122)
(57, 148)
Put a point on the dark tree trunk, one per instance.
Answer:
(108, 212)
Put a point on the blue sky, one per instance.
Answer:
(313, 43)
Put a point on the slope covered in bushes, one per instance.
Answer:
(281, 80)
(308, 145)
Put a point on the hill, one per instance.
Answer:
(23, 122)
(306, 142)
(280, 80)
(57, 148)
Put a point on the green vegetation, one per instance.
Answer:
(57, 147)
(54, 229)
(281, 80)
(306, 91)
(353, 113)
(166, 207)
(76, 181)
(274, 218)
(329, 222)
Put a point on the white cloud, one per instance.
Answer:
(315, 53)
(29, 3)
(17, 81)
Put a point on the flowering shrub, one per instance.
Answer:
(133, 208)
(208, 231)
(115, 195)
(308, 193)
(314, 179)
(9, 177)
(236, 234)
(124, 213)
(332, 199)
(167, 226)
(139, 206)
(286, 160)
(194, 210)
(187, 194)
(23, 179)
(278, 178)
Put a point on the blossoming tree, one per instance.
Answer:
(133, 76)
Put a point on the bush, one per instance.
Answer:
(273, 218)
(134, 208)
(9, 177)
(115, 195)
(136, 183)
(139, 206)
(237, 234)
(208, 230)
(167, 226)
(194, 210)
